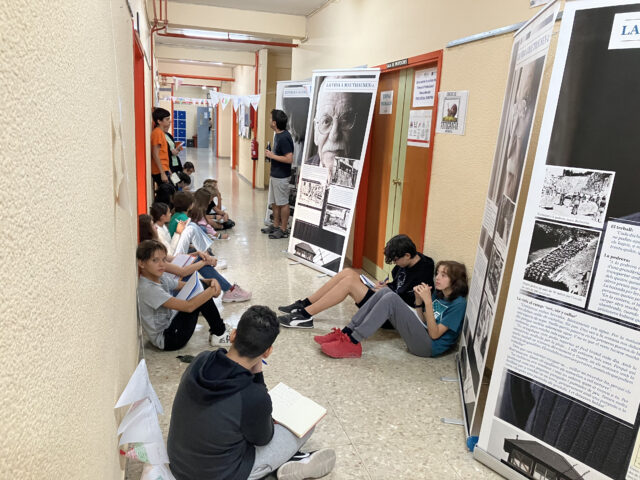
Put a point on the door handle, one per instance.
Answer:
(397, 181)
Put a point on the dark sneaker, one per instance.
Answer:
(297, 305)
(295, 320)
(317, 464)
(269, 229)
(279, 233)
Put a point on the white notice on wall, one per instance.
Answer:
(625, 32)
(424, 88)
(419, 128)
(386, 102)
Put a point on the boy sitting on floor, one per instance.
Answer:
(221, 426)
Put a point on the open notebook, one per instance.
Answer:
(295, 411)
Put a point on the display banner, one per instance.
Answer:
(333, 156)
(565, 390)
(528, 57)
(293, 98)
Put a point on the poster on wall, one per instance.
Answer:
(452, 112)
(342, 106)
(564, 396)
(424, 88)
(528, 56)
(293, 99)
(419, 128)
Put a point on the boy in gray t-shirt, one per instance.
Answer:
(157, 305)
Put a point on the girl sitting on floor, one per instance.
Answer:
(198, 213)
(205, 264)
(166, 329)
(430, 330)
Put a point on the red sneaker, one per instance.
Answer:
(343, 347)
(329, 337)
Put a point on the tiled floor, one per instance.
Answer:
(384, 409)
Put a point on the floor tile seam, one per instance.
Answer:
(352, 444)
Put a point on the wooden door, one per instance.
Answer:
(383, 149)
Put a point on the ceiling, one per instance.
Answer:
(291, 7)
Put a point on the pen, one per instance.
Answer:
(264, 363)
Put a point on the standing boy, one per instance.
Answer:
(281, 159)
(160, 171)
(221, 426)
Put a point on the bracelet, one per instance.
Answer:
(421, 306)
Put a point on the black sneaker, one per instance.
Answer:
(297, 305)
(279, 233)
(314, 465)
(295, 320)
(268, 229)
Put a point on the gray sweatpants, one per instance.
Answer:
(279, 450)
(385, 305)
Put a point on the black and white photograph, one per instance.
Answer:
(315, 255)
(486, 241)
(598, 440)
(311, 193)
(483, 329)
(336, 218)
(504, 222)
(531, 458)
(295, 103)
(575, 195)
(561, 257)
(468, 391)
(345, 172)
(494, 273)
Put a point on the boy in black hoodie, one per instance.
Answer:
(221, 426)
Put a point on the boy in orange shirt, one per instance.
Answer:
(159, 147)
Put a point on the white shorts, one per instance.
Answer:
(279, 191)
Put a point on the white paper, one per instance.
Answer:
(142, 425)
(452, 112)
(386, 102)
(424, 88)
(156, 472)
(293, 410)
(419, 128)
(139, 387)
(183, 260)
(189, 290)
(625, 32)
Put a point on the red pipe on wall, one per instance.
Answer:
(199, 77)
(228, 39)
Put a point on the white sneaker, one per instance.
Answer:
(316, 465)
(221, 340)
(221, 265)
(236, 294)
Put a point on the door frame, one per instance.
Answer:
(140, 123)
(361, 203)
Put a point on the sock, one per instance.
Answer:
(306, 302)
(304, 313)
(347, 330)
(353, 340)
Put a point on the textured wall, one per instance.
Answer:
(462, 163)
(68, 341)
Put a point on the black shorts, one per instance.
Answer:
(366, 298)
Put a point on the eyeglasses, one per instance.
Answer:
(346, 121)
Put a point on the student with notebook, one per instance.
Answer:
(221, 425)
(157, 304)
(411, 268)
(429, 330)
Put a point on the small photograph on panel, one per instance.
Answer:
(311, 193)
(504, 222)
(345, 172)
(575, 195)
(336, 219)
(494, 273)
(483, 329)
(316, 255)
(561, 259)
(485, 242)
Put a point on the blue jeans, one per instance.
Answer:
(209, 272)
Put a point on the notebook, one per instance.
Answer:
(295, 411)
(367, 282)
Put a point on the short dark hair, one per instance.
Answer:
(157, 210)
(160, 114)
(257, 330)
(182, 201)
(165, 192)
(188, 165)
(146, 230)
(280, 118)
(398, 247)
(457, 273)
(147, 248)
(184, 178)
